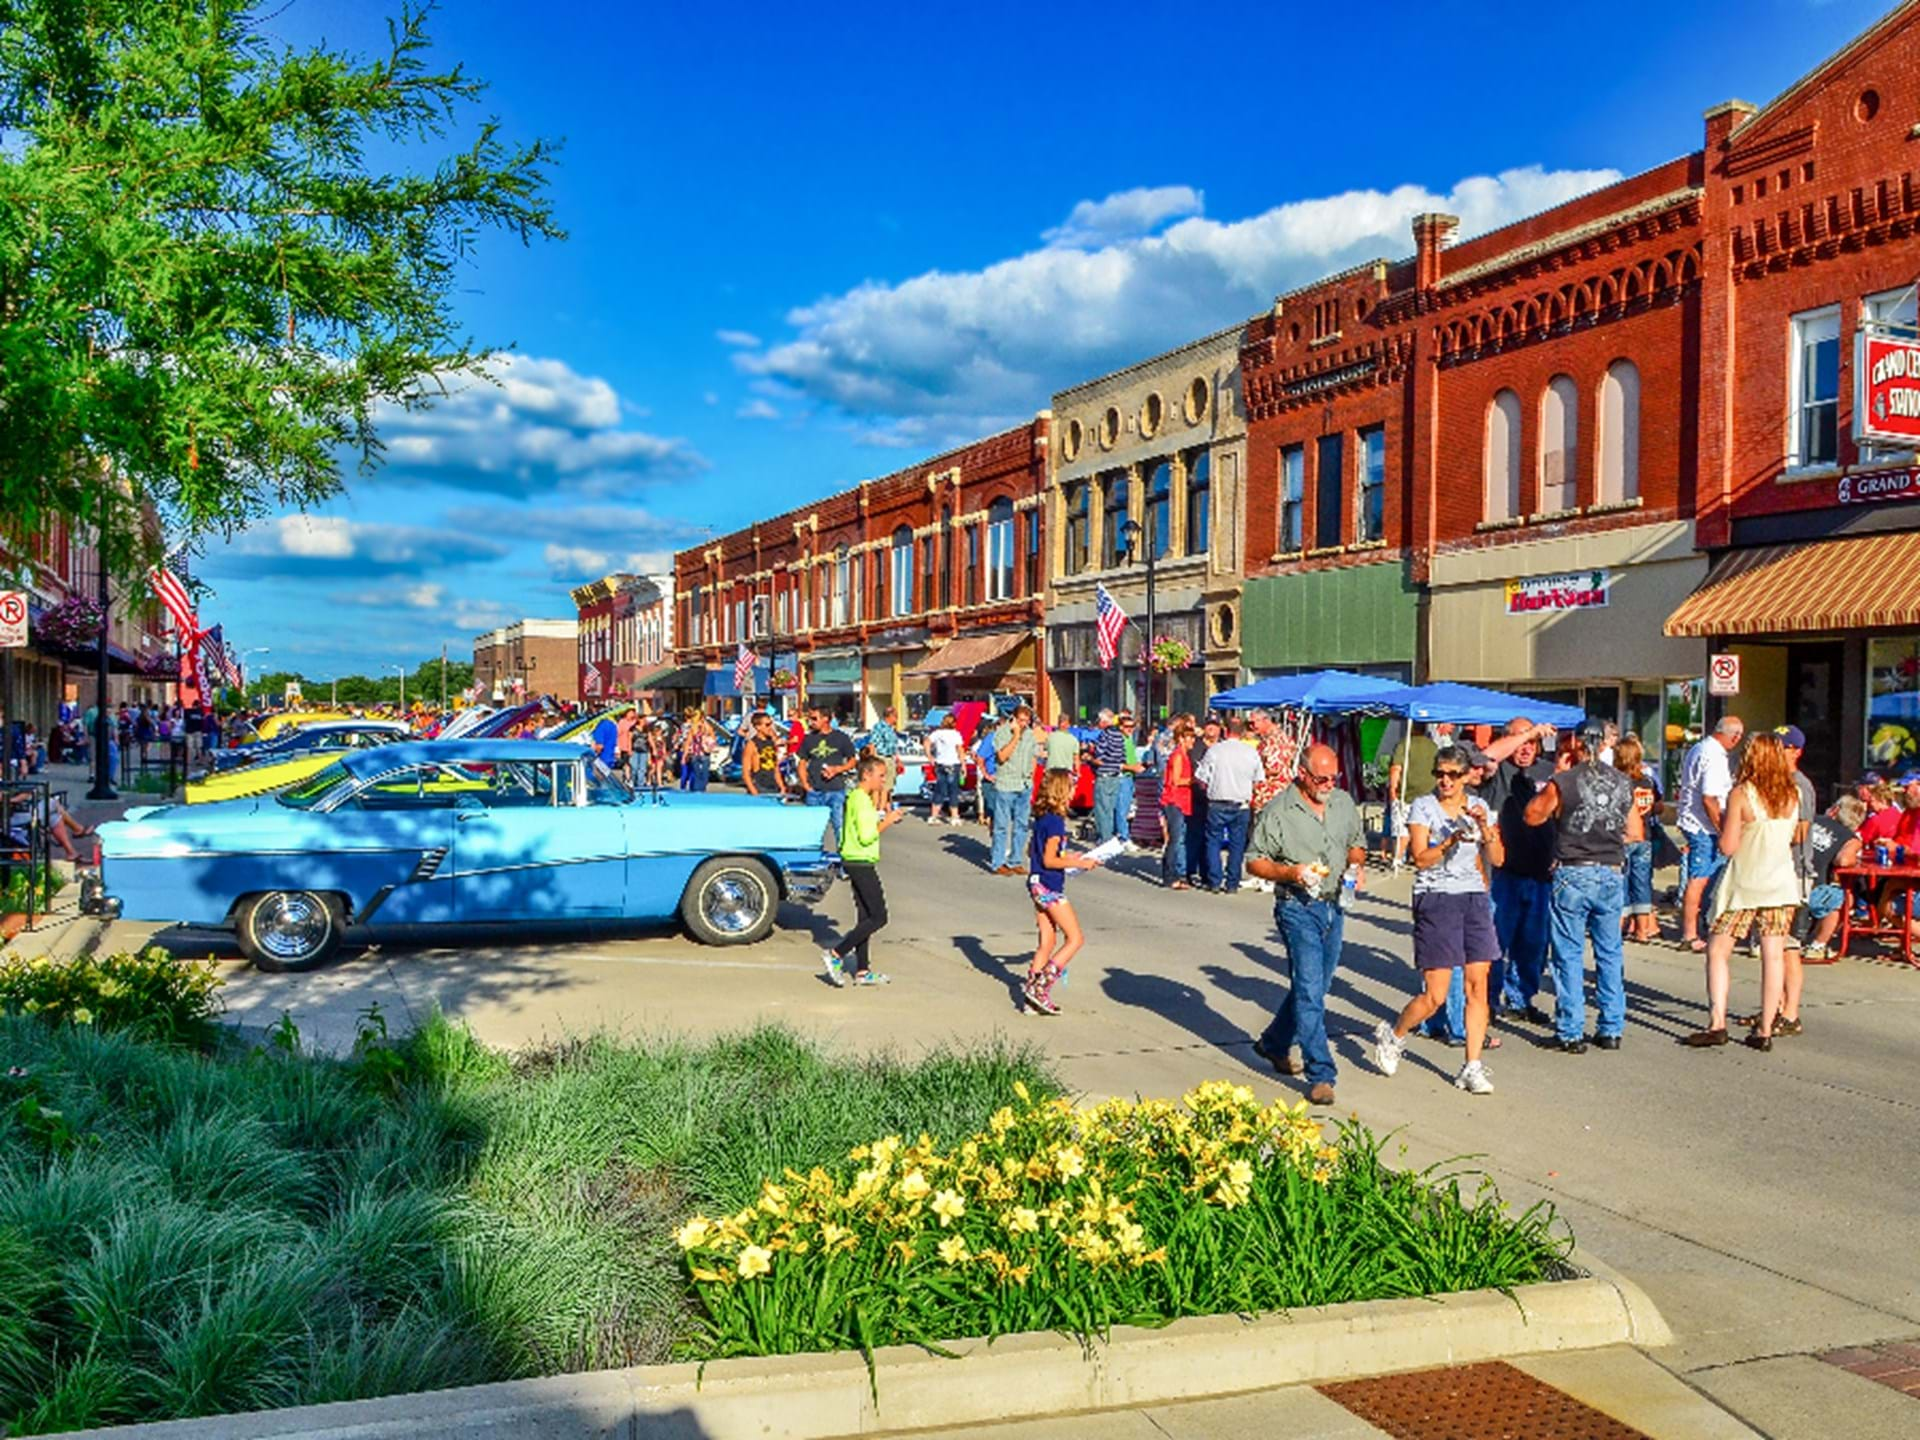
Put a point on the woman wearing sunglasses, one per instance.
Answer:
(1451, 839)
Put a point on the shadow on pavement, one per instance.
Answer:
(1008, 970)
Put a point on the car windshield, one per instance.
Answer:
(606, 788)
(317, 787)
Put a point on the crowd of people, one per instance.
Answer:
(1533, 858)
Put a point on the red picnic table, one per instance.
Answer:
(1905, 878)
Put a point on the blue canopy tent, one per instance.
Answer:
(1322, 692)
(1470, 705)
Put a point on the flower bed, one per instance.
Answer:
(1131, 1212)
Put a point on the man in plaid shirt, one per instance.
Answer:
(1279, 757)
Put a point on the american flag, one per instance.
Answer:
(173, 594)
(593, 680)
(1108, 621)
(219, 657)
(743, 664)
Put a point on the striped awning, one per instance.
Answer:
(1869, 583)
(971, 654)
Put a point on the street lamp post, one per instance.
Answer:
(245, 695)
(1131, 533)
(102, 776)
(402, 671)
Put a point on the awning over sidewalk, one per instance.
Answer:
(1869, 583)
(970, 654)
(673, 677)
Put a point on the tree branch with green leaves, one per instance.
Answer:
(219, 256)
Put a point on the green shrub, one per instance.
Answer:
(149, 994)
(17, 893)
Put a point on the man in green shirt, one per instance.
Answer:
(1011, 798)
(1304, 842)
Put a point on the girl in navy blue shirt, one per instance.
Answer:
(1048, 861)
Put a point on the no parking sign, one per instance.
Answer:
(13, 619)
(1723, 675)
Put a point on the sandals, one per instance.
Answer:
(1705, 1039)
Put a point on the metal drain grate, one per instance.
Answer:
(1492, 1401)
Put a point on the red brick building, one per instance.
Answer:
(1507, 460)
(1812, 208)
(919, 588)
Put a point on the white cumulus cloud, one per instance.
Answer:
(338, 548)
(956, 346)
(523, 425)
(738, 339)
(1125, 214)
(756, 409)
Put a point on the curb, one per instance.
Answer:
(810, 1397)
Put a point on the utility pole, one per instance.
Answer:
(443, 677)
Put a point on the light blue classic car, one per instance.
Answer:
(506, 832)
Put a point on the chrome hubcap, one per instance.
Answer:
(733, 902)
(292, 926)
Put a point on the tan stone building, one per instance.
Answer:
(1160, 444)
(528, 657)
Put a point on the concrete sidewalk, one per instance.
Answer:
(1577, 1395)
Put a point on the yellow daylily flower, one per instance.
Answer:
(914, 1186)
(953, 1250)
(949, 1206)
(693, 1234)
(754, 1261)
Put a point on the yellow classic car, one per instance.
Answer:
(269, 726)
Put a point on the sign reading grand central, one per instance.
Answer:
(1886, 401)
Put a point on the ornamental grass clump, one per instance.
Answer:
(1075, 1220)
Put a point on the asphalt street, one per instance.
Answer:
(1767, 1202)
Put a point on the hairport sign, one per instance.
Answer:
(1577, 590)
(1886, 399)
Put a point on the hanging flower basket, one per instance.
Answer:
(73, 624)
(1170, 654)
(785, 680)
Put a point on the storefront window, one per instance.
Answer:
(1893, 701)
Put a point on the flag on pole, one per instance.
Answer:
(743, 664)
(173, 595)
(593, 680)
(1108, 621)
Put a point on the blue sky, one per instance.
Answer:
(811, 244)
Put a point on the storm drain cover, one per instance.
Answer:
(1492, 1401)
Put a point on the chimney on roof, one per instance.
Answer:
(1724, 118)
(1431, 232)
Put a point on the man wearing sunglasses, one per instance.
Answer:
(1304, 842)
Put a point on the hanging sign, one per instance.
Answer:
(1886, 390)
(1576, 590)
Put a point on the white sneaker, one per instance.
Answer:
(1814, 952)
(1387, 1048)
(836, 972)
(1473, 1079)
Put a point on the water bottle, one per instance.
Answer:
(1349, 886)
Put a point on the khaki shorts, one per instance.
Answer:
(1774, 920)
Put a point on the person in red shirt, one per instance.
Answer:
(1176, 805)
(1883, 817)
(1908, 832)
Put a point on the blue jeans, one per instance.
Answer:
(946, 787)
(1173, 859)
(1521, 907)
(1640, 878)
(1587, 903)
(1311, 931)
(1226, 825)
(1012, 819)
(695, 774)
(836, 803)
(1197, 838)
(1106, 800)
(1123, 809)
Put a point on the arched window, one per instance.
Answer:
(1503, 457)
(1160, 508)
(1079, 527)
(946, 555)
(1559, 445)
(1199, 502)
(903, 571)
(1620, 433)
(1114, 543)
(1000, 549)
(842, 583)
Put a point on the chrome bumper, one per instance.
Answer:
(94, 899)
(808, 883)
